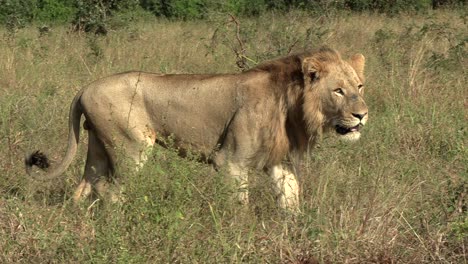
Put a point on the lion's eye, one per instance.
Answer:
(339, 91)
(360, 87)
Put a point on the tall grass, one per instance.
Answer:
(397, 196)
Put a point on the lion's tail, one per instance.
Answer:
(40, 160)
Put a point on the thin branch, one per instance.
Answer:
(240, 54)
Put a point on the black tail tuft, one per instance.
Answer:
(38, 159)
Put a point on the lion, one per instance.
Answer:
(242, 121)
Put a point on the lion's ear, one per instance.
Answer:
(358, 61)
(312, 68)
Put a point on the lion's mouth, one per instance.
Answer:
(345, 130)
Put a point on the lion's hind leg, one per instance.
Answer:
(97, 169)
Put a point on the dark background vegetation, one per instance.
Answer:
(92, 15)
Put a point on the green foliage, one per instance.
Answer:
(157, 7)
(184, 9)
(54, 11)
(93, 15)
(460, 229)
(187, 9)
(389, 7)
(243, 7)
(17, 13)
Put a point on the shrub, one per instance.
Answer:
(243, 7)
(16, 13)
(93, 15)
(185, 9)
(54, 11)
(388, 7)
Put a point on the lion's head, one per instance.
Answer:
(333, 93)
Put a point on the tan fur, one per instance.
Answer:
(238, 121)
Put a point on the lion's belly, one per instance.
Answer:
(190, 130)
(195, 115)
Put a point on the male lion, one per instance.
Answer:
(238, 121)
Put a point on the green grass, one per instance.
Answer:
(397, 196)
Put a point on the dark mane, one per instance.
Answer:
(283, 69)
(289, 68)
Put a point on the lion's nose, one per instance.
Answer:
(360, 116)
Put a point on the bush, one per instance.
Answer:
(16, 13)
(92, 15)
(54, 11)
(185, 9)
(243, 7)
(388, 7)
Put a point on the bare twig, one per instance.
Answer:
(292, 46)
(240, 53)
(237, 46)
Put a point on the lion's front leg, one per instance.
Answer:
(286, 187)
(240, 174)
